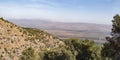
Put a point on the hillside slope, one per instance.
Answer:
(14, 39)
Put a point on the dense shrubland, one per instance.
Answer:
(74, 50)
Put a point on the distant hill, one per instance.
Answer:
(91, 31)
(14, 39)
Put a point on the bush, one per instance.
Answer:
(28, 54)
(56, 55)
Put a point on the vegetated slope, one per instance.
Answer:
(14, 39)
(96, 32)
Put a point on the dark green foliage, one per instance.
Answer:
(50, 55)
(5, 50)
(28, 54)
(112, 47)
(56, 55)
(84, 53)
(84, 49)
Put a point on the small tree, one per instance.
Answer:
(112, 47)
(83, 49)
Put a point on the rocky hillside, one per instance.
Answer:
(14, 39)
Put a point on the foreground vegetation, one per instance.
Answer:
(76, 49)
(111, 49)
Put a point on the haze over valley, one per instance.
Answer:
(64, 30)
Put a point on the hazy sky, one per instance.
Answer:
(92, 11)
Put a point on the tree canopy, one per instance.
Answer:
(112, 47)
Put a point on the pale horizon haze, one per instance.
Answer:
(88, 11)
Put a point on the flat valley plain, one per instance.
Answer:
(91, 31)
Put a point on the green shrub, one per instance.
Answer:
(56, 55)
(28, 54)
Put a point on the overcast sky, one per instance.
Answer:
(90, 11)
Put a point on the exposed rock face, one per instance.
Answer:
(14, 39)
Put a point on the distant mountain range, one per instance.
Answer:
(96, 32)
